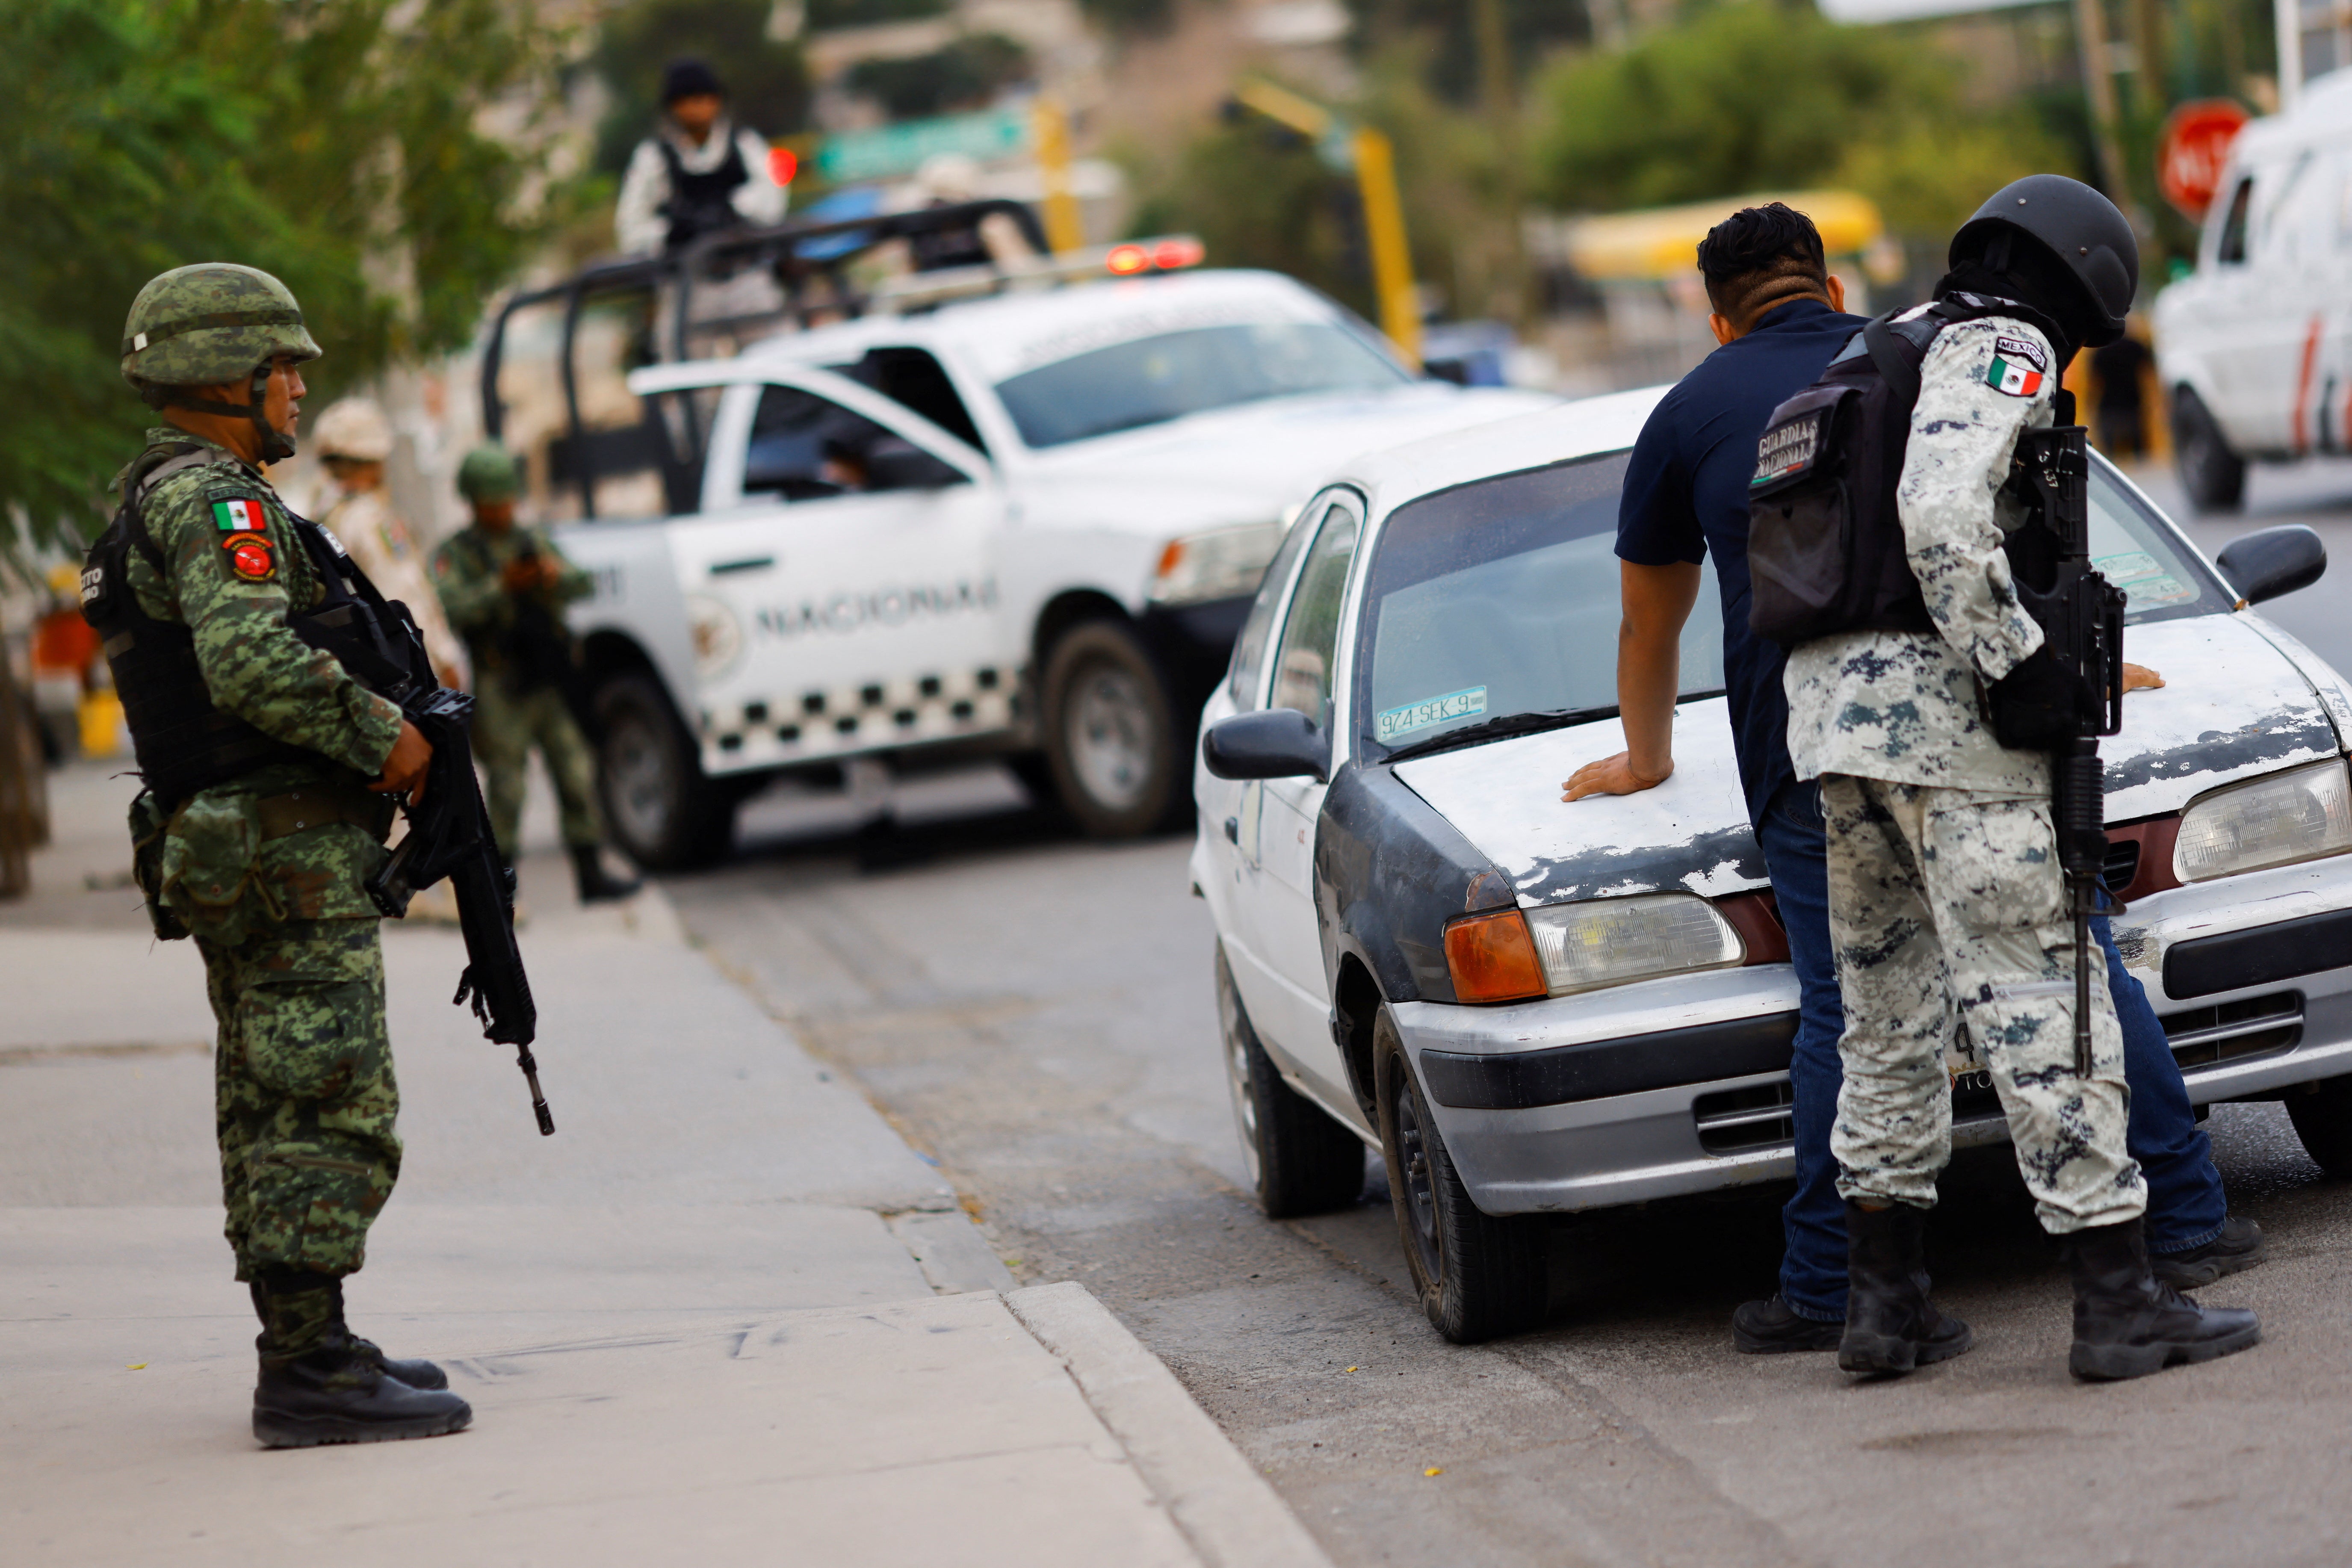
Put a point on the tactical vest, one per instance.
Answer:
(701, 204)
(1825, 547)
(184, 743)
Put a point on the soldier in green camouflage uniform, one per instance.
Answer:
(504, 587)
(1954, 946)
(296, 768)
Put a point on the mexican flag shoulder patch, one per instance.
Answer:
(2018, 366)
(242, 515)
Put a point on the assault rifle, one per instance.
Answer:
(2081, 619)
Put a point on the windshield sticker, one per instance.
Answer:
(2143, 578)
(1398, 723)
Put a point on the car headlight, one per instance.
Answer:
(2298, 815)
(1507, 956)
(718, 636)
(1222, 564)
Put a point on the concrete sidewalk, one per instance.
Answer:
(726, 1314)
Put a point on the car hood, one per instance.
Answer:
(2232, 706)
(1248, 463)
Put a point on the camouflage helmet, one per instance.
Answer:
(490, 473)
(210, 324)
(352, 427)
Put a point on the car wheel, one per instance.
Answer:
(1300, 1160)
(1478, 1275)
(662, 809)
(1111, 739)
(2322, 1114)
(2213, 475)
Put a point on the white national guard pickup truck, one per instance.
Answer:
(983, 511)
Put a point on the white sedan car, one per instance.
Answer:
(1533, 1008)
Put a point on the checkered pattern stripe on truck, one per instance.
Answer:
(799, 725)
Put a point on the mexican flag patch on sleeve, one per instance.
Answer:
(239, 516)
(2017, 368)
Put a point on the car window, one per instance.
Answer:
(1249, 648)
(2231, 247)
(2135, 552)
(915, 378)
(1153, 380)
(1501, 597)
(1310, 632)
(806, 448)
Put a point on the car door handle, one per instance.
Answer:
(1234, 831)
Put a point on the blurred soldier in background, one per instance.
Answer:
(699, 172)
(270, 778)
(353, 439)
(505, 587)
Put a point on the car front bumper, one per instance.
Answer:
(1676, 1086)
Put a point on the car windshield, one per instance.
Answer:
(1499, 598)
(1153, 380)
(2138, 554)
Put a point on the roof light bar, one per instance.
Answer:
(1129, 258)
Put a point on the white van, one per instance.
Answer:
(2255, 346)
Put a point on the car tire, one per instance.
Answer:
(658, 804)
(1110, 732)
(2322, 1114)
(2213, 476)
(1478, 1275)
(1300, 1160)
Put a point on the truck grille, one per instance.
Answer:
(2201, 1036)
(2122, 864)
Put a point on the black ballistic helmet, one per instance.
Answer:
(2076, 224)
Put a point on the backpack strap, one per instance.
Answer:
(134, 496)
(1895, 367)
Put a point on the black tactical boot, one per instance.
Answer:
(319, 1385)
(595, 883)
(1773, 1328)
(416, 1373)
(2240, 1245)
(2127, 1323)
(1891, 1326)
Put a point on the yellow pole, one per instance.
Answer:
(1384, 232)
(1064, 230)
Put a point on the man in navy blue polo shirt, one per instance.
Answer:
(1779, 317)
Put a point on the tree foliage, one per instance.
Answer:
(1756, 96)
(384, 173)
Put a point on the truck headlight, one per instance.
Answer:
(1223, 564)
(2298, 815)
(1608, 941)
(718, 636)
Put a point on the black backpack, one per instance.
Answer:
(1825, 547)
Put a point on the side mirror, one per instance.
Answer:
(2273, 561)
(903, 465)
(1279, 743)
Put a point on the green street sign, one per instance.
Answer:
(901, 149)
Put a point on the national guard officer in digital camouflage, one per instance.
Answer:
(1947, 904)
(504, 587)
(270, 778)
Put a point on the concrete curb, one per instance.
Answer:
(1226, 1509)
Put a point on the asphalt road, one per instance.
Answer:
(1034, 1012)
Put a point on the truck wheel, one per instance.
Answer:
(1478, 1275)
(660, 805)
(1300, 1160)
(1110, 737)
(2213, 475)
(2322, 1114)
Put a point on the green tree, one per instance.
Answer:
(359, 163)
(1753, 95)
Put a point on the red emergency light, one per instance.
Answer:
(1166, 255)
(782, 164)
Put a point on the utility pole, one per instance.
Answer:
(2099, 86)
(1496, 90)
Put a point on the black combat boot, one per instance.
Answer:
(2128, 1323)
(596, 884)
(1891, 1326)
(416, 1373)
(1773, 1328)
(2239, 1246)
(318, 1384)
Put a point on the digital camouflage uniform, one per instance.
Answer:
(515, 712)
(306, 1097)
(1947, 900)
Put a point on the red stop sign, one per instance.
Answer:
(2195, 150)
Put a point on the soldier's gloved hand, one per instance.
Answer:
(2038, 704)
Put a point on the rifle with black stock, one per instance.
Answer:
(449, 832)
(2082, 619)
